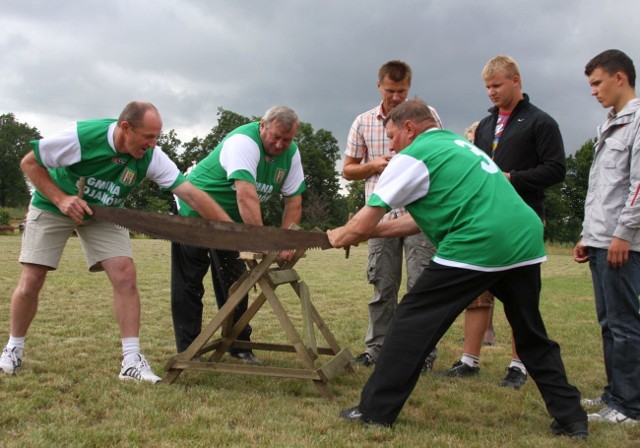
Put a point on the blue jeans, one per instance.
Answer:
(618, 306)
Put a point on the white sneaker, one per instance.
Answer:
(10, 362)
(592, 402)
(610, 415)
(138, 370)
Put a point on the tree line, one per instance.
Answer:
(323, 204)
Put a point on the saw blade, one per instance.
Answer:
(211, 234)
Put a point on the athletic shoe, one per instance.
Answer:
(138, 370)
(593, 402)
(430, 361)
(365, 359)
(460, 370)
(351, 414)
(10, 362)
(575, 430)
(610, 415)
(354, 415)
(247, 357)
(515, 378)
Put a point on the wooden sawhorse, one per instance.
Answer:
(267, 279)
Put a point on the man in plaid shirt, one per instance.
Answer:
(366, 156)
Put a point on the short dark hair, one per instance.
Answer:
(396, 71)
(133, 113)
(611, 62)
(413, 110)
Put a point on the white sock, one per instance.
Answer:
(470, 360)
(518, 364)
(130, 349)
(18, 344)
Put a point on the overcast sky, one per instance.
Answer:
(66, 60)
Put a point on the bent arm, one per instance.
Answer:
(403, 226)
(292, 211)
(71, 205)
(354, 169)
(359, 228)
(248, 202)
(201, 202)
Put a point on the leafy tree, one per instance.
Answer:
(355, 197)
(197, 149)
(319, 152)
(14, 144)
(565, 202)
(339, 210)
(192, 152)
(577, 181)
(171, 145)
(5, 217)
(147, 195)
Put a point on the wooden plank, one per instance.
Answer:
(307, 320)
(265, 346)
(286, 324)
(256, 256)
(280, 277)
(248, 369)
(230, 339)
(336, 364)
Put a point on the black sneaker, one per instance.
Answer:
(354, 415)
(430, 361)
(365, 359)
(515, 378)
(247, 357)
(460, 370)
(575, 430)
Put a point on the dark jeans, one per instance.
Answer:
(189, 266)
(616, 293)
(428, 310)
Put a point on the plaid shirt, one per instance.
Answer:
(367, 141)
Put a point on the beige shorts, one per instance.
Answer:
(484, 300)
(46, 234)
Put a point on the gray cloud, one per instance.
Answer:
(70, 60)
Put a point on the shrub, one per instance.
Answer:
(5, 217)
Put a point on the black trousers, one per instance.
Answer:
(427, 311)
(189, 266)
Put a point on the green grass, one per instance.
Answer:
(68, 393)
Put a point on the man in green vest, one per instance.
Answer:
(487, 238)
(253, 163)
(112, 156)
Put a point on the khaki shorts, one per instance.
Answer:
(46, 234)
(484, 300)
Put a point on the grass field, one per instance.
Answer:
(68, 392)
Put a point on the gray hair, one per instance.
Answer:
(284, 115)
(415, 110)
